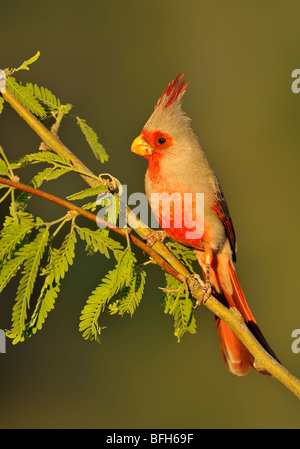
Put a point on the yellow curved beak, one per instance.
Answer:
(141, 147)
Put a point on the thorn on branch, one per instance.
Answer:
(169, 290)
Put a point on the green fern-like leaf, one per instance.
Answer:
(44, 95)
(125, 267)
(131, 295)
(92, 140)
(14, 235)
(10, 268)
(184, 318)
(48, 99)
(61, 259)
(34, 252)
(14, 232)
(24, 96)
(44, 305)
(41, 156)
(95, 304)
(49, 174)
(93, 191)
(99, 241)
(114, 281)
(180, 306)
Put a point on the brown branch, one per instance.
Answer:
(85, 213)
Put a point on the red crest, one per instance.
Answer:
(173, 94)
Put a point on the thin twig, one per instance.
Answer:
(85, 213)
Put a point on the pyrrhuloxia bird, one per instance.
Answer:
(177, 164)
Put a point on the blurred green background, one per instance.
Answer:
(112, 60)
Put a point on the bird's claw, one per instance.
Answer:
(205, 293)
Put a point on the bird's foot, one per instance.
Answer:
(206, 288)
(154, 237)
(205, 294)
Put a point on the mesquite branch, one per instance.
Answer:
(158, 252)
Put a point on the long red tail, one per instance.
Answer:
(227, 289)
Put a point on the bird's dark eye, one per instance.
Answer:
(161, 140)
